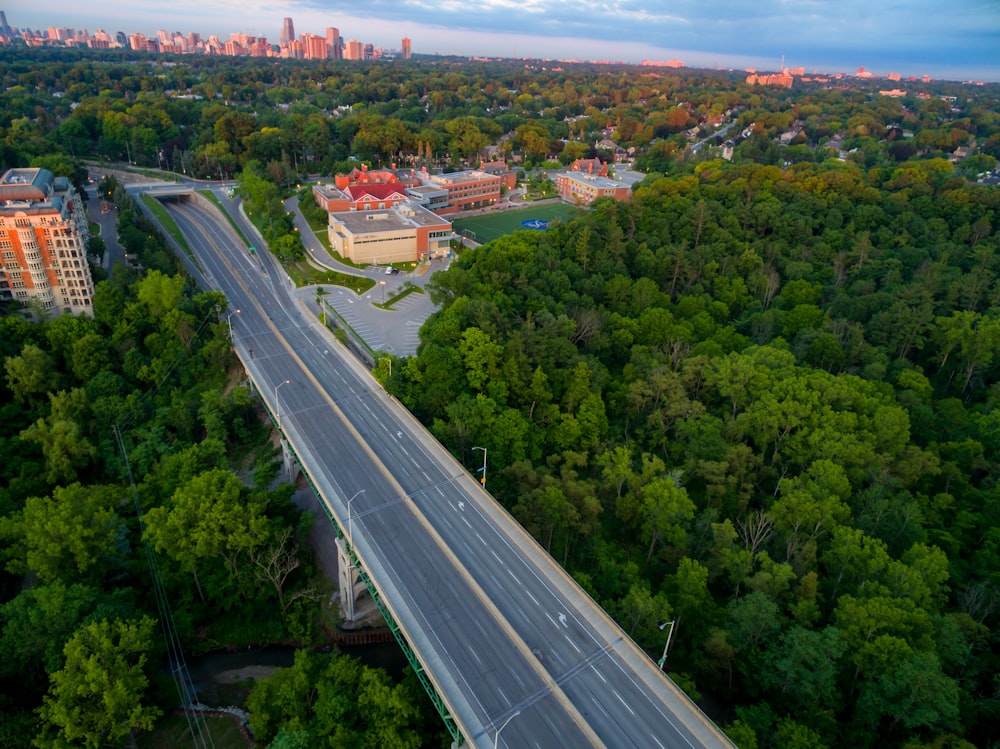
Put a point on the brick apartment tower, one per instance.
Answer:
(406, 48)
(43, 234)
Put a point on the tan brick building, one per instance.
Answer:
(402, 233)
(583, 189)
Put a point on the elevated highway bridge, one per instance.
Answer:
(513, 651)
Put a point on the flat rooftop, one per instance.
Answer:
(594, 180)
(401, 217)
(458, 178)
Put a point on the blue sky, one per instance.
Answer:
(959, 39)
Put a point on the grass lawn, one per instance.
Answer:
(167, 222)
(172, 731)
(305, 274)
(489, 226)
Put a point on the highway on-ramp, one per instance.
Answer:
(507, 638)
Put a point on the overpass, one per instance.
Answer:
(512, 650)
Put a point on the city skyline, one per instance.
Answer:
(918, 38)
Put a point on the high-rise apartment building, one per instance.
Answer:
(43, 233)
(315, 47)
(354, 50)
(406, 48)
(287, 31)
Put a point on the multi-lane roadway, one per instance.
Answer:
(510, 642)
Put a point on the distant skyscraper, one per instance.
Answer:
(335, 43)
(287, 31)
(406, 48)
(4, 28)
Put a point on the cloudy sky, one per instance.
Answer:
(959, 39)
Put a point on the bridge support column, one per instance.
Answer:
(288, 463)
(348, 578)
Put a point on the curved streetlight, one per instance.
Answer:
(277, 403)
(350, 525)
(496, 738)
(483, 469)
(663, 661)
(229, 319)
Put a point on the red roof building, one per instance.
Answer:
(365, 197)
(590, 166)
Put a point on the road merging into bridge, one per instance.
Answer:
(516, 650)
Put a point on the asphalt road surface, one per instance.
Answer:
(508, 639)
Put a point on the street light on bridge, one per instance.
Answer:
(229, 319)
(663, 661)
(350, 524)
(277, 403)
(496, 738)
(483, 469)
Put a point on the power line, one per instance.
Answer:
(200, 734)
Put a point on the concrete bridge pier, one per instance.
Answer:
(348, 580)
(288, 462)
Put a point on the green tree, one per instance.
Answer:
(666, 506)
(206, 519)
(31, 374)
(75, 532)
(37, 623)
(160, 293)
(336, 700)
(912, 695)
(97, 699)
(804, 670)
(64, 444)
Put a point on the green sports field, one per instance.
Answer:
(489, 226)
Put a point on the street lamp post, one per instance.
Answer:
(350, 524)
(382, 284)
(496, 738)
(229, 319)
(663, 661)
(483, 469)
(277, 403)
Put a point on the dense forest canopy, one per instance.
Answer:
(761, 402)
(759, 399)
